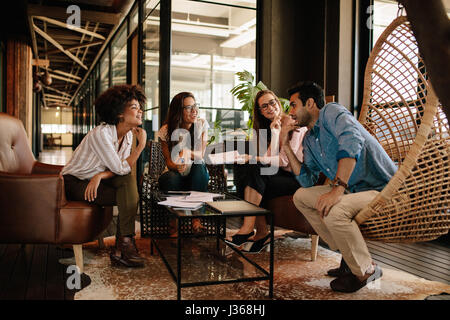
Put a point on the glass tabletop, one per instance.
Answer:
(203, 211)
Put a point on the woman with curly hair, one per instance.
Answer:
(100, 168)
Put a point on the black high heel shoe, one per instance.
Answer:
(259, 245)
(239, 239)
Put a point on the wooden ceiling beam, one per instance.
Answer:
(61, 14)
(77, 47)
(63, 78)
(65, 74)
(57, 45)
(65, 94)
(73, 28)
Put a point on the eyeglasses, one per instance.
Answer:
(193, 107)
(271, 103)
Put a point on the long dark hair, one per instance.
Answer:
(259, 121)
(174, 118)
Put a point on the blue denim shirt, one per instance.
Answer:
(337, 134)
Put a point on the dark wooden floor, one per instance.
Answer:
(32, 272)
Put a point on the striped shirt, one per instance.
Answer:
(98, 152)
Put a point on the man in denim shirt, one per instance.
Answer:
(339, 146)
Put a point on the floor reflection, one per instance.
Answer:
(202, 261)
(59, 156)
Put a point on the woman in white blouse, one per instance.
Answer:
(100, 168)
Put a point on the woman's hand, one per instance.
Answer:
(141, 136)
(244, 158)
(181, 163)
(181, 167)
(91, 190)
(276, 123)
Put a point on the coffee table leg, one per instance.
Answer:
(272, 236)
(179, 261)
(217, 232)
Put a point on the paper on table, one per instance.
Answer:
(181, 203)
(226, 157)
(203, 196)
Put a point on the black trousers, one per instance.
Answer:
(281, 183)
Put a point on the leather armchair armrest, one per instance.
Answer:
(44, 168)
(30, 207)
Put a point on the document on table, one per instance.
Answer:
(228, 157)
(181, 202)
(193, 200)
(203, 196)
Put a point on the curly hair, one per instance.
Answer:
(111, 103)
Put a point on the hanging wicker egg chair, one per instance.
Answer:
(401, 110)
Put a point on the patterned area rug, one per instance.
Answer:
(296, 277)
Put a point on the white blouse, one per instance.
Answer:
(98, 152)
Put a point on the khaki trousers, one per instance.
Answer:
(338, 229)
(119, 190)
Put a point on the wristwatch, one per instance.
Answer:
(338, 182)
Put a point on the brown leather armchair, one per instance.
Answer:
(33, 206)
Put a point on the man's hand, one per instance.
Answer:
(287, 125)
(328, 200)
(91, 190)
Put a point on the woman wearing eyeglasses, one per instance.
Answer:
(269, 121)
(183, 138)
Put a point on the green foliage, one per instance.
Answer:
(246, 92)
(217, 129)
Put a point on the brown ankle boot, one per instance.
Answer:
(126, 253)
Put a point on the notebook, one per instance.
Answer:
(235, 207)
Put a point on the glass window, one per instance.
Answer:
(210, 43)
(150, 5)
(104, 72)
(134, 18)
(384, 12)
(119, 56)
(151, 61)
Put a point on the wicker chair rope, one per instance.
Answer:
(401, 110)
(154, 218)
